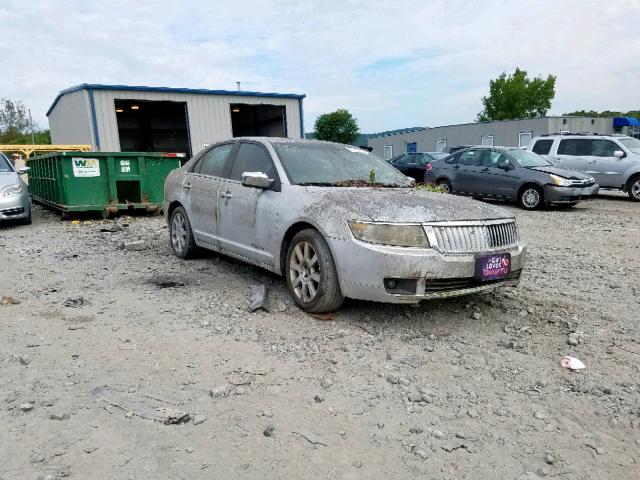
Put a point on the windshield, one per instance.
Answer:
(528, 159)
(336, 165)
(632, 144)
(4, 164)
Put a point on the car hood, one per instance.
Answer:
(563, 172)
(8, 178)
(397, 205)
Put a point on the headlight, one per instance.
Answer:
(559, 181)
(390, 234)
(11, 190)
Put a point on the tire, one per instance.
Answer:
(531, 197)
(181, 238)
(446, 184)
(27, 220)
(633, 188)
(304, 276)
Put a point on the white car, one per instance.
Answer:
(613, 160)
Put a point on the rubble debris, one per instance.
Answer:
(166, 415)
(572, 363)
(325, 317)
(8, 300)
(136, 246)
(268, 432)
(310, 438)
(258, 298)
(112, 227)
(76, 302)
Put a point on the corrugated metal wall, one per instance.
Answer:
(209, 116)
(505, 133)
(70, 121)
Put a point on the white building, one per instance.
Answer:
(114, 118)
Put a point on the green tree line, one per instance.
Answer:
(15, 127)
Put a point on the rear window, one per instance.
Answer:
(542, 147)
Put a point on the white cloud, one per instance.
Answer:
(328, 50)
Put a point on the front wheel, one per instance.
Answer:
(531, 197)
(27, 220)
(446, 186)
(181, 238)
(311, 273)
(634, 188)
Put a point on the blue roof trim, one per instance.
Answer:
(140, 88)
(625, 122)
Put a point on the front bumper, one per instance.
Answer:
(15, 207)
(363, 267)
(555, 194)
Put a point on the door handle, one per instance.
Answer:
(486, 169)
(456, 167)
(592, 161)
(186, 186)
(226, 194)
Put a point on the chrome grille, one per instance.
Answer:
(470, 237)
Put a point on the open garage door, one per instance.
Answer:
(258, 120)
(153, 126)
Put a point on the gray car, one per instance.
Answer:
(513, 174)
(15, 203)
(337, 222)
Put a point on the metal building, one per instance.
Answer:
(114, 118)
(507, 133)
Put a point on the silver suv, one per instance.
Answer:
(613, 160)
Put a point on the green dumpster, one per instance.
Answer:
(100, 181)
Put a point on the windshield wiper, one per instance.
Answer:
(350, 183)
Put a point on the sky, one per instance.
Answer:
(392, 64)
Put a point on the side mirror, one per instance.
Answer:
(23, 170)
(256, 180)
(619, 154)
(504, 164)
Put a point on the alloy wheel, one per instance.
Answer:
(304, 270)
(531, 198)
(635, 189)
(178, 232)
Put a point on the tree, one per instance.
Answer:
(517, 96)
(338, 126)
(604, 113)
(15, 126)
(13, 120)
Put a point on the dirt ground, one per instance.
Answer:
(463, 388)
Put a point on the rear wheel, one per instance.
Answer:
(181, 238)
(446, 186)
(633, 188)
(531, 197)
(311, 273)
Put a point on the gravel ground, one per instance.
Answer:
(463, 388)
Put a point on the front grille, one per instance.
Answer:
(470, 237)
(444, 284)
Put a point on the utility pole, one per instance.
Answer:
(33, 140)
(238, 83)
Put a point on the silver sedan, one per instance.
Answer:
(15, 203)
(337, 222)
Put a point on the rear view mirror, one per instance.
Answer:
(256, 180)
(23, 170)
(619, 154)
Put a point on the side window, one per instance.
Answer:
(251, 158)
(491, 158)
(575, 147)
(471, 158)
(603, 148)
(542, 147)
(406, 159)
(452, 159)
(213, 161)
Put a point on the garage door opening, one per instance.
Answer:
(258, 120)
(148, 126)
